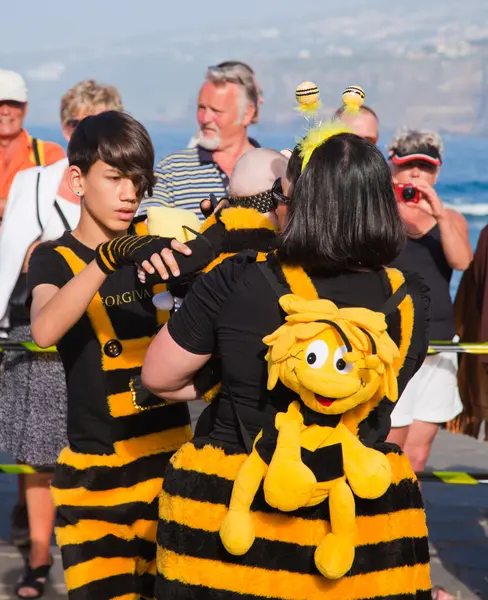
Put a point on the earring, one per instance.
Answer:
(78, 192)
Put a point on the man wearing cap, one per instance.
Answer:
(18, 150)
(227, 104)
(437, 243)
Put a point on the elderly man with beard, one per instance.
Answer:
(227, 105)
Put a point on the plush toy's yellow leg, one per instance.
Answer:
(335, 554)
(367, 471)
(237, 529)
(289, 484)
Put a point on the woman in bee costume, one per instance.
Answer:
(294, 494)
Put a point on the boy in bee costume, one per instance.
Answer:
(87, 300)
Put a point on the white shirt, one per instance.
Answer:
(30, 215)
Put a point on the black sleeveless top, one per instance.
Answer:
(425, 256)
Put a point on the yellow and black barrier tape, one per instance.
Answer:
(23, 346)
(451, 477)
(459, 347)
(434, 347)
(25, 469)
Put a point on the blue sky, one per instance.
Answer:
(32, 24)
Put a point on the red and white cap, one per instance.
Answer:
(425, 153)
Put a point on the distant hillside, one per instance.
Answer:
(426, 66)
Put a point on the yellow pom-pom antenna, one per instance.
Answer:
(353, 98)
(319, 135)
(308, 97)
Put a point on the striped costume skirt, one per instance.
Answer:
(107, 508)
(392, 554)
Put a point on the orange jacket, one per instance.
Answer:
(24, 158)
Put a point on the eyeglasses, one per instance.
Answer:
(277, 193)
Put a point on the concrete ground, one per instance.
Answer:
(457, 517)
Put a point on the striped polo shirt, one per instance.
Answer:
(186, 178)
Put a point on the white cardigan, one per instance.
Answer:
(20, 227)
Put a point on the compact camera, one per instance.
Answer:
(406, 192)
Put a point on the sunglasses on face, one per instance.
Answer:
(277, 193)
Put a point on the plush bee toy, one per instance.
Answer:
(341, 363)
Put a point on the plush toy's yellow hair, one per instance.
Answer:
(317, 136)
(307, 319)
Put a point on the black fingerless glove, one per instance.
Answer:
(129, 250)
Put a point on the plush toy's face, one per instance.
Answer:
(308, 354)
(318, 370)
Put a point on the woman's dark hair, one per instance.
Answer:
(343, 211)
(119, 140)
(294, 167)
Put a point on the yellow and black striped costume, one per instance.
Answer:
(106, 483)
(392, 556)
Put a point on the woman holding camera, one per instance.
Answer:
(438, 242)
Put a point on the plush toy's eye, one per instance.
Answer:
(317, 354)
(340, 364)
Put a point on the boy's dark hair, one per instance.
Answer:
(119, 140)
(343, 211)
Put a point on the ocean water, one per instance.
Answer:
(462, 184)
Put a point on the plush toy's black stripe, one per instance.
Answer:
(237, 240)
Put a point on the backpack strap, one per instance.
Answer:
(38, 152)
(64, 220)
(245, 435)
(37, 203)
(279, 288)
(394, 300)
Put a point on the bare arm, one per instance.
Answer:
(3, 204)
(54, 311)
(168, 369)
(31, 249)
(455, 239)
(452, 225)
